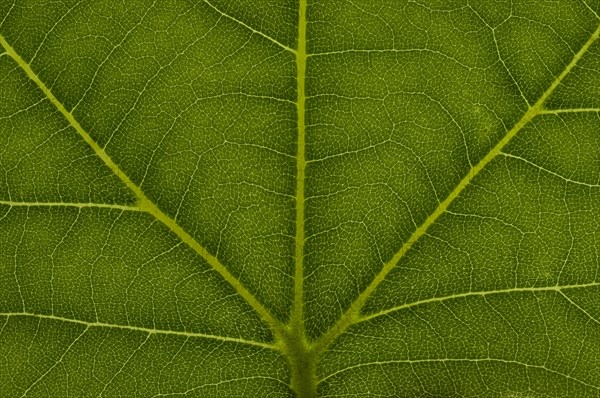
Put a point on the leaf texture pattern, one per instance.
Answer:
(332, 198)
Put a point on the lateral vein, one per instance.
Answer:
(449, 360)
(144, 203)
(575, 110)
(351, 315)
(69, 204)
(140, 329)
(471, 294)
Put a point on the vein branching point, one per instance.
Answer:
(144, 203)
(290, 339)
(352, 315)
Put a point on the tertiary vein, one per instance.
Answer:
(144, 203)
(351, 315)
(250, 28)
(545, 170)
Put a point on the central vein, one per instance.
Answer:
(296, 320)
(301, 356)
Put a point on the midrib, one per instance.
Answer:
(297, 313)
(351, 315)
(301, 358)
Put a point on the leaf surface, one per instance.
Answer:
(311, 198)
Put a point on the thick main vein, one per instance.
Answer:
(144, 203)
(297, 314)
(351, 315)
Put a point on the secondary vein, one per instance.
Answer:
(69, 204)
(450, 360)
(144, 202)
(141, 329)
(476, 294)
(351, 315)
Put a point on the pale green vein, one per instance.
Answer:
(474, 294)
(220, 383)
(303, 362)
(8, 13)
(250, 28)
(591, 9)
(65, 204)
(578, 307)
(141, 329)
(300, 174)
(124, 364)
(476, 360)
(144, 203)
(397, 51)
(508, 155)
(351, 315)
(575, 110)
(56, 363)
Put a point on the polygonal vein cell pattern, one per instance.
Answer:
(311, 198)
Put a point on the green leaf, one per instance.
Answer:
(313, 198)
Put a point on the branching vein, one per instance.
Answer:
(144, 203)
(351, 315)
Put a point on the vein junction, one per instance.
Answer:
(352, 314)
(302, 355)
(144, 203)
